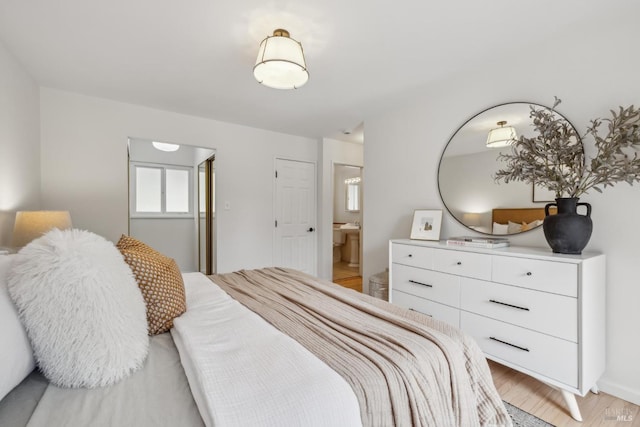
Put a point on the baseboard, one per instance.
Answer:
(622, 392)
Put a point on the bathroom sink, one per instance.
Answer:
(349, 226)
(351, 236)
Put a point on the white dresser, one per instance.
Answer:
(535, 311)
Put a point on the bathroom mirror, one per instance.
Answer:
(467, 166)
(352, 194)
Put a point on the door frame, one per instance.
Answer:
(209, 242)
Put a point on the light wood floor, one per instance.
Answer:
(546, 403)
(347, 276)
(341, 270)
(354, 283)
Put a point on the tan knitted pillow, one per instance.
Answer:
(159, 280)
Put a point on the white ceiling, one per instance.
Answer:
(196, 57)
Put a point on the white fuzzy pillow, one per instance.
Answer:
(81, 306)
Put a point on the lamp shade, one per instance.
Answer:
(471, 219)
(30, 225)
(280, 63)
(502, 136)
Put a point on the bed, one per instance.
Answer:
(519, 215)
(515, 220)
(278, 347)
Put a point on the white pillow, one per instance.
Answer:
(535, 223)
(500, 228)
(81, 306)
(531, 225)
(513, 227)
(16, 357)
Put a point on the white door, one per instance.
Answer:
(295, 215)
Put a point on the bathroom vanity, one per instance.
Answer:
(346, 243)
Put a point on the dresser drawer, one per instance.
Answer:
(467, 264)
(549, 276)
(412, 255)
(551, 314)
(545, 355)
(439, 287)
(433, 309)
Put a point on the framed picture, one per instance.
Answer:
(426, 224)
(541, 194)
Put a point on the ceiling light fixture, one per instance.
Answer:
(163, 146)
(501, 136)
(280, 63)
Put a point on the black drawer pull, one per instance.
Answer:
(529, 273)
(420, 283)
(508, 343)
(410, 255)
(509, 305)
(418, 311)
(459, 263)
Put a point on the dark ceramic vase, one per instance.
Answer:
(567, 232)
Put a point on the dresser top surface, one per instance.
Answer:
(519, 251)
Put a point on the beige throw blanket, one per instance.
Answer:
(405, 368)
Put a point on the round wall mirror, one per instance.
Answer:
(467, 167)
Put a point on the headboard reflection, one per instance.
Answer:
(519, 215)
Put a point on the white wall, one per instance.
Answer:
(19, 143)
(591, 71)
(84, 168)
(332, 152)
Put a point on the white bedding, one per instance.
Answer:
(229, 367)
(234, 361)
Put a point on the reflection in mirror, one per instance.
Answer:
(202, 218)
(352, 191)
(468, 163)
(206, 212)
(164, 198)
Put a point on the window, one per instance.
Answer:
(177, 190)
(148, 189)
(160, 190)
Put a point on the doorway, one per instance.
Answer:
(347, 230)
(164, 198)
